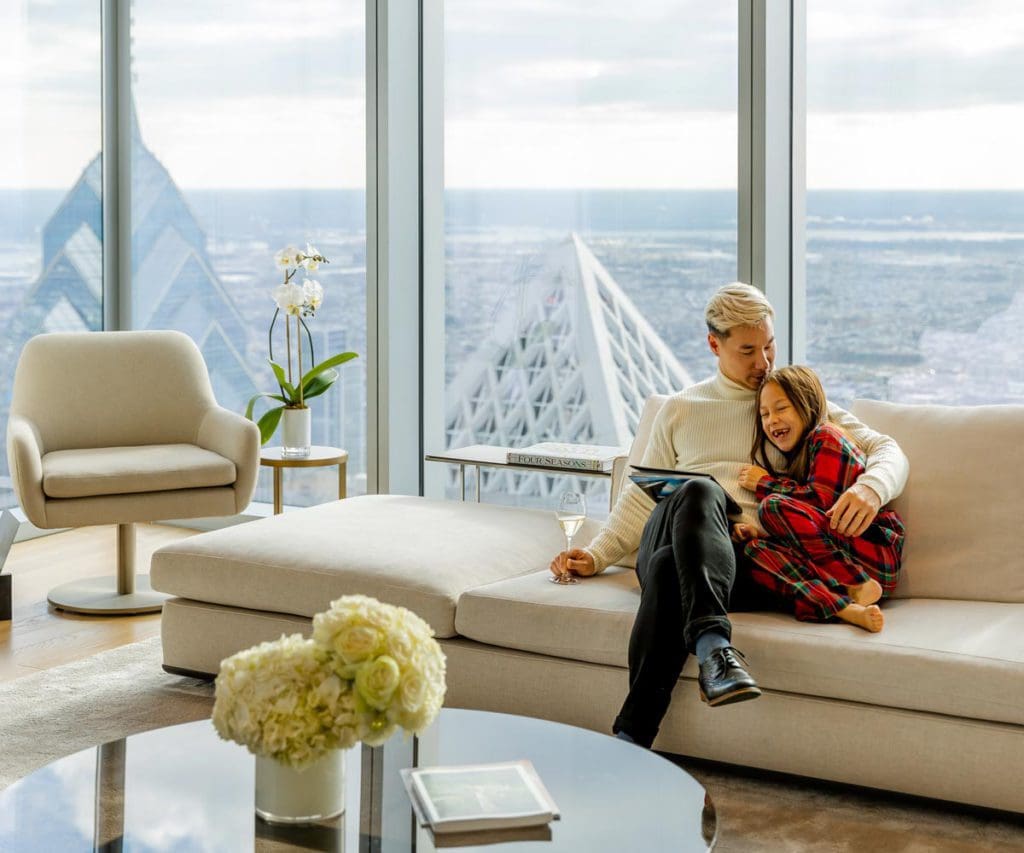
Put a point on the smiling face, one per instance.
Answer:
(780, 419)
(747, 353)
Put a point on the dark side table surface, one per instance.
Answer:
(183, 788)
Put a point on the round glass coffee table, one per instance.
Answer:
(182, 788)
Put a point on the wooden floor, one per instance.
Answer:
(39, 637)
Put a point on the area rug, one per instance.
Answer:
(60, 711)
(124, 691)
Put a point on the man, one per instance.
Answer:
(690, 569)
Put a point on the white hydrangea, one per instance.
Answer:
(284, 699)
(370, 669)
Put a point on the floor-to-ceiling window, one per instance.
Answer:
(915, 202)
(249, 136)
(51, 213)
(590, 193)
(590, 209)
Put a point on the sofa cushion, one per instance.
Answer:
(129, 470)
(411, 551)
(962, 502)
(963, 658)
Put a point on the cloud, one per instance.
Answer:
(573, 57)
(894, 54)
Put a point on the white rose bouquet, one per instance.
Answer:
(390, 658)
(370, 669)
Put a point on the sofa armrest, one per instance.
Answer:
(25, 459)
(236, 438)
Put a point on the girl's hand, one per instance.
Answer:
(744, 532)
(750, 476)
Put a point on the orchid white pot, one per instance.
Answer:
(296, 432)
(314, 793)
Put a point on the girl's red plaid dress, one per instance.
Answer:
(805, 561)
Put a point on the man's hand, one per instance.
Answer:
(854, 511)
(742, 532)
(750, 476)
(576, 562)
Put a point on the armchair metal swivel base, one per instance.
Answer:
(124, 595)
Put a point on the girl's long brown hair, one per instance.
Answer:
(803, 388)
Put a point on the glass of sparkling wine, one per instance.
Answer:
(572, 510)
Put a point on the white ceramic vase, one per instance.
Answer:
(315, 793)
(296, 432)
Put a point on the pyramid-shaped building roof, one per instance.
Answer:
(571, 359)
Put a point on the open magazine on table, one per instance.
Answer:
(659, 483)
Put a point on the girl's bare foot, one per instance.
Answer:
(865, 593)
(869, 618)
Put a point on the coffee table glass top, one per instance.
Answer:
(182, 788)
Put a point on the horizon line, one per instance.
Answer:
(183, 188)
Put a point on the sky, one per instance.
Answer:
(909, 94)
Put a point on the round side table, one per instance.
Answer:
(318, 457)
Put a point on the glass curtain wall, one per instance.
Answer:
(915, 202)
(51, 210)
(590, 209)
(249, 136)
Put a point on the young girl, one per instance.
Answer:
(824, 573)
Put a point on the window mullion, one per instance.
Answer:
(116, 162)
(767, 173)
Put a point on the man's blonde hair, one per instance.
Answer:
(736, 304)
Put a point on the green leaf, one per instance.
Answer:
(286, 386)
(318, 384)
(333, 361)
(268, 423)
(252, 402)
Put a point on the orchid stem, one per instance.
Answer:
(288, 343)
(298, 339)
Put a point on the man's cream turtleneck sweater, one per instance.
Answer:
(709, 428)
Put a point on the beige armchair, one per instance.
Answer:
(121, 427)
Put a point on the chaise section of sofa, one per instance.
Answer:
(274, 574)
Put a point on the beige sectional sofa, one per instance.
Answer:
(933, 705)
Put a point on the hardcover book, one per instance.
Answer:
(475, 797)
(553, 454)
(659, 483)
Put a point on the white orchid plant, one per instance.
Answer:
(298, 302)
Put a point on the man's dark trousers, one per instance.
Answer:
(687, 567)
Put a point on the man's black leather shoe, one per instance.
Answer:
(724, 680)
